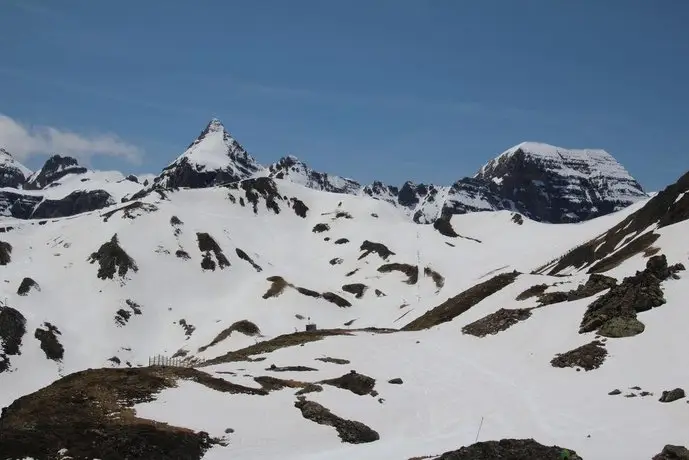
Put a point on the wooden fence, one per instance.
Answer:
(160, 360)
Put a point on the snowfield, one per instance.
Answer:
(451, 380)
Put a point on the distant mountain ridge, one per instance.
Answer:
(543, 182)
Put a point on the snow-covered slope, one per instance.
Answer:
(12, 173)
(280, 255)
(215, 157)
(294, 170)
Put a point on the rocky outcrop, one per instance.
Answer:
(214, 158)
(671, 452)
(510, 449)
(614, 313)
(12, 173)
(292, 169)
(76, 202)
(12, 330)
(54, 169)
(350, 431)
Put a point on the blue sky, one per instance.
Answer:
(426, 90)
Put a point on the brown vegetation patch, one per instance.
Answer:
(112, 259)
(412, 271)
(533, 291)
(269, 383)
(379, 248)
(349, 431)
(50, 345)
(358, 289)
(590, 356)
(244, 326)
(208, 245)
(336, 299)
(90, 413)
(26, 285)
(455, 306)
(276, 288)
(496, 322)
(244, 256)
(358, 384)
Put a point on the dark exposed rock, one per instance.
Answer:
(396, 381)
(275, 368)
(207, 245)
(132, 210)
(26, 285)
(455, 306)
(671, 452)
(615, 392)
(11, 174)
(54, 169)
(308, 292)
(600, 253)
(621, 326)
(369, 246)
(412, 271)
(359, 384)
(182, 254)
(290, 167)
(50, 344)
(533, 291)
(257, 189)
(444, 227)
(5, 253)
(12, 330)
(635, 294)
(112, 259)
(336, 299)
(132, 178)
(357, 289)
(300, 209)
(320, 228)
(588, 357)
(77, 202)
(437, 278)
(336, 261)
(510, 449)
(672, 395)
(496, 322)
(350, 431)
(342, 241)
(244, 256)
(328, 359)
(188, 328)
(379, 293)
(122, 317)
(517, 219)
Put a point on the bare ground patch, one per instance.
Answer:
(496, 322)
(412, 271)
(26, 285)
(455, 306)
(244, 326)
(244, 256)
(50, 344)
(12, 330)
(207, 246)
(131, 210)
(590, 356)
(112, 258)
(358, 289)
(5, 253)
(358, 384)
(437, 278)
(350, 431)
(372, 247)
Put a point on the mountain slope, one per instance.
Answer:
(290, 168)
(12, 173)
(189, 266)
(215, 157)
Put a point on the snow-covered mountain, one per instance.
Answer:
(294, 170)
(12, 173)
(360, 333)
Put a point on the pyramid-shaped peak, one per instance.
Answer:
(215, 125)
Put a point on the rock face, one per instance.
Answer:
(213, 158)
(671, 452)
(12, 173)
(552, 184)
(510, 449)
(54, 169)
(296, 171)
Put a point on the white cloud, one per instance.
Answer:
(24, 141)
